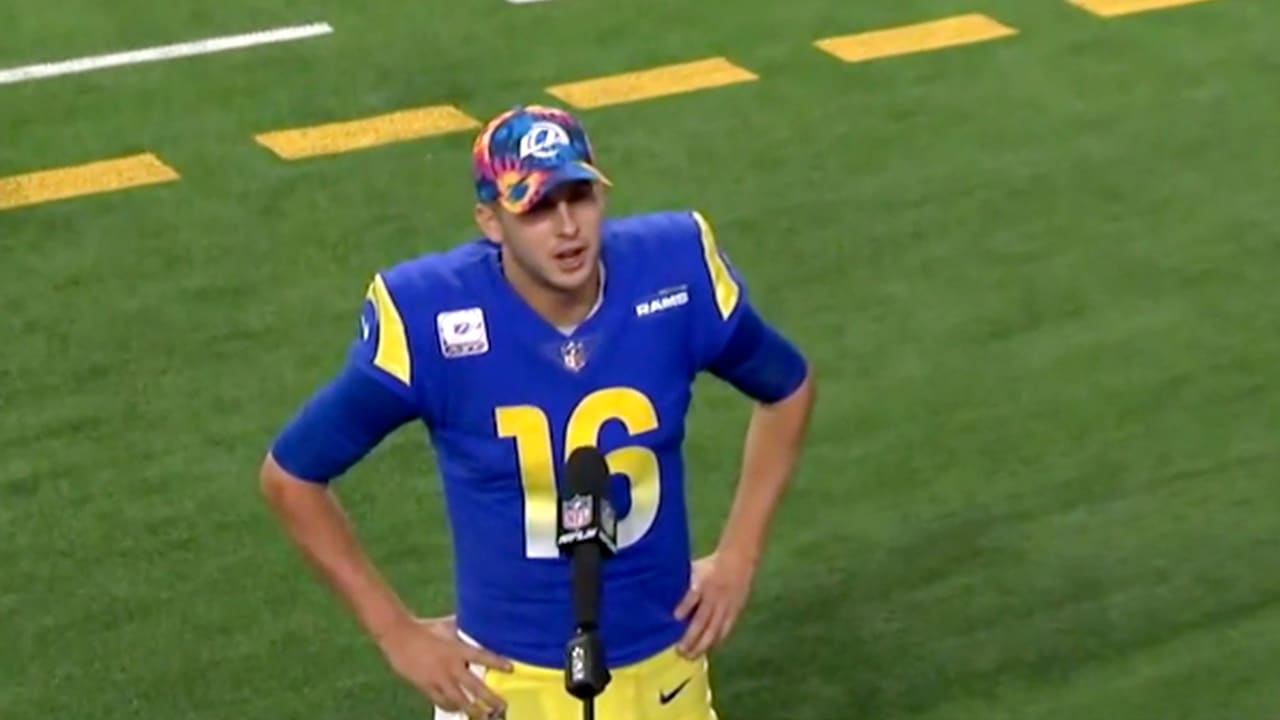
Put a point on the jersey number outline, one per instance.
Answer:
(529, 427)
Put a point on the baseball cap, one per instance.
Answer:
(522, 154)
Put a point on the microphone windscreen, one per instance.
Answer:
(587, 473)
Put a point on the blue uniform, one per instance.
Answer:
(506, 397)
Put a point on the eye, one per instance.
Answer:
(572, 193)
(541, 207)
(581, 191)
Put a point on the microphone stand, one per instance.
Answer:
(586, 674)
(589, 702)
(587, 528)
(594, 642)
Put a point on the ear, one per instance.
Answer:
(487, 220)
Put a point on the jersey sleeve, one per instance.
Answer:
(381, 348)
(719, 294)
(366, 401)
(733, 341)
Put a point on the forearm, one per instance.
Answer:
(775, 436)
(318, 527)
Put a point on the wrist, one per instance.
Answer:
(737, 552)
(389, 625)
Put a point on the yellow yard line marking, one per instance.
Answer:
(1116, 8)
(87, 179)
(652, 83)
(346, 136)
(920, 37)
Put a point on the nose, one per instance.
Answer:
(566, 223)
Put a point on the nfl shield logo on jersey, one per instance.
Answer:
(574, 355)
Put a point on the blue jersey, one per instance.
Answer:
(506, 397)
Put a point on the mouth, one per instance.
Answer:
(572, 258)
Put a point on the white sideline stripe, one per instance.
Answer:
(164, 52)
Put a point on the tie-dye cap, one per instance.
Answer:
(526, 151)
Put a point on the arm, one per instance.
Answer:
(772, 448)
(721, 582)
(762, 364)
(338, 427)
(378, 391)
(766, 367)
(315, 522)
(735, 344)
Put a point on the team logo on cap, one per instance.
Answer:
(543, 140)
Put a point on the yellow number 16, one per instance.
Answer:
(529, 426)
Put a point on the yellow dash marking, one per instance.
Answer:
(921, 37)
(652, 83)
(340, 137)
(1115, 8)
(88, 179)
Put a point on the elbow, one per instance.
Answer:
(803, 392)
(269, 480)
(810, 385)
(278, 486)
(806, 392)
(274, 482)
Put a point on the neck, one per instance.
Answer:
(562, 308)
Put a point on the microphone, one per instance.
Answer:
(587, 533)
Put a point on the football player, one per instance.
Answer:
(558, 328)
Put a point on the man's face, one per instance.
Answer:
(556, 243)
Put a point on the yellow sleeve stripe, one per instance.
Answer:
(726, 288)
(392, 354)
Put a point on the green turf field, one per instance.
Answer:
(1037, 278)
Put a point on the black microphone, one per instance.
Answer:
(587, 533)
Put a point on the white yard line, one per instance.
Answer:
(164, 52)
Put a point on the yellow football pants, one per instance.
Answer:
(663, 687)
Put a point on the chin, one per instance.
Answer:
(573, 280)
(570, 284)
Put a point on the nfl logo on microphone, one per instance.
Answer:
(577, 512)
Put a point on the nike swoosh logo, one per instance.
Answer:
(666, 697)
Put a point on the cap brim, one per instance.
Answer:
(544, 181)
